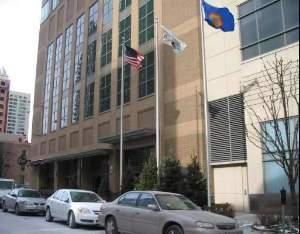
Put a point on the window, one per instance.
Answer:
(56, 82)
(105, 93)
(55, 3)
(89, 100)
(107, 12)
(127, 74)
(124, 4)
(145, 200)
(267, 25)
(146, 80)
(106, 48)
(45, 11)
(146, 22)
(125, 31)
(67, 76)
(129, 199)
(274, 175)
(91, 58)
(2, 83)
(93, 19)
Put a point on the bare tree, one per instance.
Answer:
(278, 102)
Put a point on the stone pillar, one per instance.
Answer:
(79, 168)
(114, 172)
(56, 174)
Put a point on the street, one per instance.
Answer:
(32, 224)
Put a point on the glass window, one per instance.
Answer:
(106, 48)
(146, 22)
(129, 199)
(45, 11)
(55, 3)
(105, 93)
(91, 58)
(125, 31)
(107, 12)
(89, 100)
(93, 18)
(124, 4)
(146, 77)
(145, 200)
(85, 197)
(175, 202)
(29, 193)
(127, 83)
(267, 25)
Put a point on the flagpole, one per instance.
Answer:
(206, 110)
(157, 97)
(121, 116)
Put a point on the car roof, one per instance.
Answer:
(155, 192)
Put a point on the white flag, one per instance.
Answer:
(170, 39)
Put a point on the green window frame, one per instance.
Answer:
(106, 48)
(146, 22)
(124, 4)
(105, 93)
(89, 100)
(125, 31)
(127, 83)
(147, 75)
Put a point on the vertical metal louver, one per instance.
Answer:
(227, 129)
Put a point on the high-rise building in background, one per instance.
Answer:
(18, 113)
(4, 94)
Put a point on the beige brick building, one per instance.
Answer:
(76, 118)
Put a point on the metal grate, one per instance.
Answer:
(227, 129)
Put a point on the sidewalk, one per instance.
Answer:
(247, 220)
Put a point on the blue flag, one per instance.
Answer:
(219, 18)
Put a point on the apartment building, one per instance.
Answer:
(242, 174)
(76, 119)
(4, 93)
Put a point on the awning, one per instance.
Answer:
(65, 157)
(129, 136)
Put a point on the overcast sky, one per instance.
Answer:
(19, 29)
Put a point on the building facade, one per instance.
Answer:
(18, 113)
(76, 119)
(4, 95)
(241, 172)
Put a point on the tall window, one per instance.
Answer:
(67, 76)
(268, 25)
(93, 18)
(56, 81)
(45, 11)
(107, 12)
(125, 31)
(77, 69)
(89, 100)
(124, 4)
(55, 3)
(146, 81)
(105, 93)
(91, 58)
(146, 22)
(127, 82)
(47, 88)
(106, 48)
(274, 175)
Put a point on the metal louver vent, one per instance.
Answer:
(227, 130)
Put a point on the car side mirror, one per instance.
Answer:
(153, 207)
(67, 200)
(14, 195)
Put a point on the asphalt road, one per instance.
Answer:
(32, 224)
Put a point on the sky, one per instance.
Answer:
(19, 31)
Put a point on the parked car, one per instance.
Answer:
(161, 213)
(24, 201)
(6, 185)
(74, 206)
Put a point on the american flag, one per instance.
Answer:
(134, 57)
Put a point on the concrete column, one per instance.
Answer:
(55, 175)
(79, 168)
(114, 172)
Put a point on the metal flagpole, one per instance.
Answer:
(157, 96)
(206, 111)
(121, 116)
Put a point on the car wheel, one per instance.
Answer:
(174, 229)
(71, 220)
(48, 215)
(111, 226)
(4, 209)
(17, 210)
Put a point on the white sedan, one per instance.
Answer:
(74, 206)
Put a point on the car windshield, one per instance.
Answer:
(175, 202)
(29, 193)
(6, 185)
(84, 197)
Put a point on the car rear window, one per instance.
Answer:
(29, 193)
(6, 185)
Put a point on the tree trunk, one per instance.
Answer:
(294, 200)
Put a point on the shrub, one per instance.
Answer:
(148, 177)
(223, 209)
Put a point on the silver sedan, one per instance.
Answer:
(161, 213)
(24, 201)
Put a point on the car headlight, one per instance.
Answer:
(205, 225)
(84, 211)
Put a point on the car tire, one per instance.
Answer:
(4, 209)
(71, 220)
(111, 226)
(17, 210)
(174, 229)
(48, 215)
